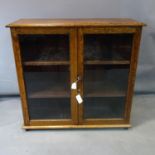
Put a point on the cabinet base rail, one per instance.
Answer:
(76, 126)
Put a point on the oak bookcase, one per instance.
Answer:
(98, 55)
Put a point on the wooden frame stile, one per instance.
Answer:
(132, 72)
(80, 72)
(19, 70)
(73, 67)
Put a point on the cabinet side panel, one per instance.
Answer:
(17, 56)
(132, 73)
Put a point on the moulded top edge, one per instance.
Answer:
(75, 22)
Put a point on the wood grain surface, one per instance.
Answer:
(75, 22)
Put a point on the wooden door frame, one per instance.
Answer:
(73, 73)
(136, 31)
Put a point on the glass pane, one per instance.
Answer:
(50, 108)
(105, 80)
(106, 69)
(47, 84)
(52, 84)
(103, 107)
(44, 47)
(107, 46)
(105, 88)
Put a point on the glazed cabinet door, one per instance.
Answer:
(46, 66)
(104, 63)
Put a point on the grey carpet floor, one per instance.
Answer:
(138, 140)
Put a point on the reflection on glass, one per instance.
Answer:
(105, 80)
(48, 94)
(44, 47)
(47, 84)
(106, 69)
(50, 108)
(107, 46)
(104, 107)
(105, 90)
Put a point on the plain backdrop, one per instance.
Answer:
(141, 10)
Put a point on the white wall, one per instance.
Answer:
(13, 10)
(144, 10)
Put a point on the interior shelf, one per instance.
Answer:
(50, 108)
(105, 94)
(89, 62)
(108, 47)
(47, 84)
(45, 63)
(110, 81)
(113, 107)
(107, 62)
(60, 93)
(46, 48)
(65, 94)
(100, 89)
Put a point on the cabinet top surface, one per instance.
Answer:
(75, 22)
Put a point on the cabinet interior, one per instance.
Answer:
(46, 63)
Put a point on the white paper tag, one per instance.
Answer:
(74, 85)
(79, 98)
